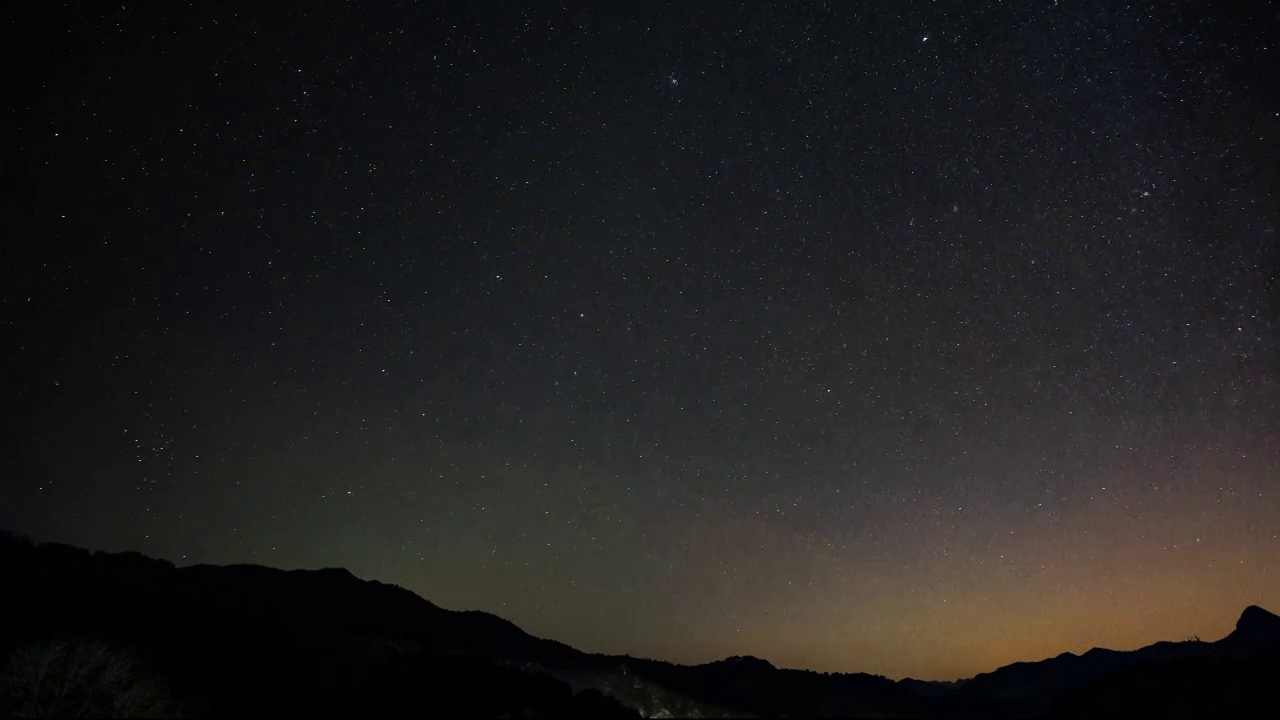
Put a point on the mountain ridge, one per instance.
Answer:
(64, 591)
(1256, 631)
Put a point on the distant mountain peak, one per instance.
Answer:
(748, 661)
(1256, 620)
(332, 572)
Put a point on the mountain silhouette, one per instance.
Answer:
(249, 640)
(1211, 686)
(1256, 631)
(1037, 684)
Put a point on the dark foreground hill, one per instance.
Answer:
(249, 641)
(141, 636)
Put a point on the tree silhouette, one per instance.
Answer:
(80, 679)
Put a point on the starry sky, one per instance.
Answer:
(912, 338)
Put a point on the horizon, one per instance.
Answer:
(902, 338)
(1231, 623)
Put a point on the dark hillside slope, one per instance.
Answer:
(1189, 688)
(247, 640)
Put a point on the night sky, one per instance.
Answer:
(913, 338)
